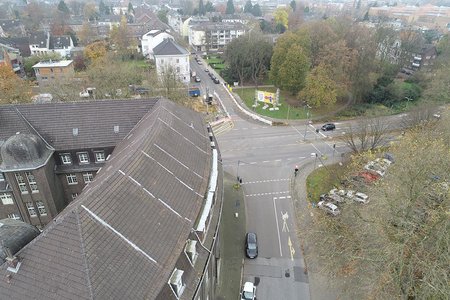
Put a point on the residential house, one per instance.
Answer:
(146, 227)
(214, 36)
(152, 39)
(21, 43)
(12, 28)
(192, 21)
(171, 57)
(43, 42)
(424, 58)
(175, 21)
(48, 72)
(11, 56)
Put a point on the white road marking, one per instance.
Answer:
(264, 181)
(278, 227)
(265, 194)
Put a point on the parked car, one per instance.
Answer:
(328, 126)
(329, 208)
(197, 79)
(248, 291)
(251, 245)
(206, 70)
(216, 81)
(361, 198)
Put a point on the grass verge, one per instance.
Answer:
(323, 179)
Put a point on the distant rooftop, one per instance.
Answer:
(53, 63)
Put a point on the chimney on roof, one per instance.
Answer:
(12, 261)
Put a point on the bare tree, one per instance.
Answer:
(367, 134)
(396, 246)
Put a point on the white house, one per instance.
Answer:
(152, 39)
(171, 57)
(43, 42)
(214, 36)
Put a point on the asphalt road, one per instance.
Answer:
(265, 158)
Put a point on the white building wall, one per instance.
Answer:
(179, 63)
(149, 42)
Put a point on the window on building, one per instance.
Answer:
(72, 178)
(178, 60)
(74, 196)
(191, 251)
(32, 182)
(14, 216)
(99, 156)
(176, 282)
(21, 183)
(178, 69)
(6, 198)
(66, 159)
(88, 177)
(2, 178)
(31, 209)
(41, 208)
(83, 157)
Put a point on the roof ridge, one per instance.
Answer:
(84, 255)
(31, 126)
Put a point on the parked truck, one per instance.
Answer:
(194, 92)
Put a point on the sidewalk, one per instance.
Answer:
(319, 286)
(231, 238)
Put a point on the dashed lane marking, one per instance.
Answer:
(265, 194)
(264, 181)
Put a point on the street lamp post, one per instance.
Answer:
(237, 174)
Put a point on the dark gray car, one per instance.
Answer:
(251, 245)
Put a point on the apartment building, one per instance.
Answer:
(214, 36)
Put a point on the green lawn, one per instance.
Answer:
(216, 62)
(295, 112)
(322, 180)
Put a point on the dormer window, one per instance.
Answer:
(191, 251)
(176, 282)
(83, 157)
(99, 156)
(65, 158)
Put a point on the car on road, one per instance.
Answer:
(248, 291)
(206, 70)
(197, 79)
(199, 62)
(216, 81)
(251, 245)
(361, 198)
(329, 208)
(328, 126)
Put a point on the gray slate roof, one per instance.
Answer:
(55, 122)
(169, 47)
(60, 42)
(122, 236)
(15, 234)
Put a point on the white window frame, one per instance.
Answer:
(176, 282)
(66, 158)
(83, 157)
(71, 179)
(32, 182)
(101, 158)
(191, 251)
(74, 196)
(2, 177)
(14, 216)
(88, 177)
(31, 209)
(6, 198)
(41, 208)
(21, 183)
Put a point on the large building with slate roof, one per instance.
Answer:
(144, 228)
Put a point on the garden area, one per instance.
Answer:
(290, 108)
(216, 62)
